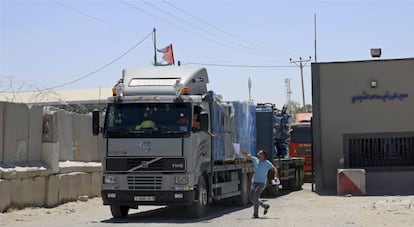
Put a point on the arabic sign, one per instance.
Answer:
(388, 96)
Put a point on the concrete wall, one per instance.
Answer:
(338, 111)
(35, 134)
(45, 158)
(85, 145)
(15, 133)
(64, 135)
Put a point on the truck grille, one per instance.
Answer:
(144, 182)
(147, 164)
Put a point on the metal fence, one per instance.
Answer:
(379, 150)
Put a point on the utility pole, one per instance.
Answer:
(314, 21)
(249, 85)
(301, 63)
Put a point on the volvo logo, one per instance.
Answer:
(144, 164)
(145, 147)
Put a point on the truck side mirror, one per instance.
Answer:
(203, 122)
(95, 122)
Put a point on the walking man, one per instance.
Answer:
(261, 168)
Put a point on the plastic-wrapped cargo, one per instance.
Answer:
(226, 116)
(229, 153)
(244, 130)
(216, 118)
(218, 146)
(281, 126)
(221, 126)
(265, 130)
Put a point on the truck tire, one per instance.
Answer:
(199, 207)
(243, 198)
(301, 177)
(288, 184)
(298, 178)
(119, 211)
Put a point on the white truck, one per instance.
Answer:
(158, 148)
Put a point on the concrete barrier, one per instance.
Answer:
(35, 134)
(70, 186)
(5, 192)
(85, 185)
(87, 167)
(84, 143)
(351, 181)
(96, 182)
(50, 156)
(52, 191)
(27, 192)
(17, 198)
(39, 187)
(49, 127)
(25, 170)
(30, 171)
(64, 135)
(16, 127)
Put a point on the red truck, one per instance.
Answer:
(301, 140)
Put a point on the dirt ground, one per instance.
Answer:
(300, 208)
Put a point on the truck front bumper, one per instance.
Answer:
(135, 198)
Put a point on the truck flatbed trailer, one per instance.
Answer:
(291, 172)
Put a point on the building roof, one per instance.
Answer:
(84, 96)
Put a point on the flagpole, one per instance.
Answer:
(155, 46)
(172, 53)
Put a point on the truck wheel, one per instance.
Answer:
(301, 177)
(288, 184)
(199, 207)
(298, 178)
(119, 211)
(243, 198)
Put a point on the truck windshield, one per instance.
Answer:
(129, 120)
(301, 134)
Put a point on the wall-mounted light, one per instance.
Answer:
(376, 52)
(374, 83)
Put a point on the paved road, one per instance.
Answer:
(300, 208)
(95, 214)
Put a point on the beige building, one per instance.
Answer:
(72, 100)
(364, 119)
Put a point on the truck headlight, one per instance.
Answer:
(181, 179)
(110, 180)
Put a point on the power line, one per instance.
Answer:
(260, 52)
(239, 66)
(184, 29)
(267, 49)
(123, 29)
(102, 67)
(93, 17)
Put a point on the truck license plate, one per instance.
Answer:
(144, 198)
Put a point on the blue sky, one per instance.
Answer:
(46, 44)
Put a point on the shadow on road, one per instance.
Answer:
(176, 214)
(182, 214)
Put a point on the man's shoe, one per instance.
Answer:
(266, 208)
(255, 216)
